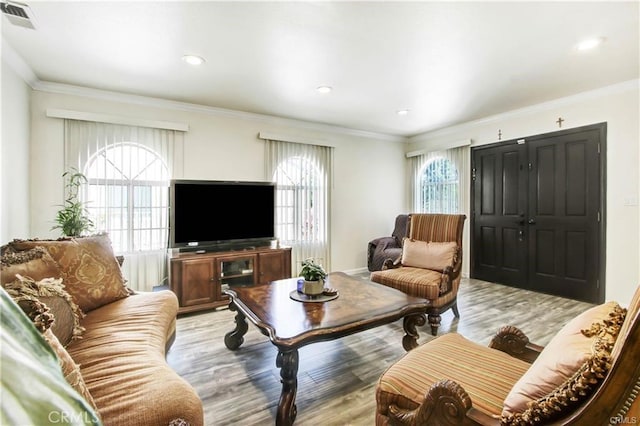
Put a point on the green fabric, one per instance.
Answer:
(34, 391)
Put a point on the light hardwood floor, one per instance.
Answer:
(336, 380)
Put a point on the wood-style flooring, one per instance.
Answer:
(337, 379)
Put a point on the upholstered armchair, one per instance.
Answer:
(588, 374)
(430, 263)
(384, 248)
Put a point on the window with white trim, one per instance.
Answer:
(128, 188)
(299, 201)
(439, 187)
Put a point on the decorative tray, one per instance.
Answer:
(301, 297)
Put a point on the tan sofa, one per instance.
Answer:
(117, 339)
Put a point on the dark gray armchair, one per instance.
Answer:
(383, 248)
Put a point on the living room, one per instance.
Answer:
(370, 184)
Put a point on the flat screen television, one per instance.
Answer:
(207, 214)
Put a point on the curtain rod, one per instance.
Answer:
(116, 119)
(439, 147)
(293, 139)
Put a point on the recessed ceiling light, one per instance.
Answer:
(589, 43)
(193, 59)
(324, 89)
(402, 112)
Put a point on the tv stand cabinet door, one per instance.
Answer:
(198, 284)
(274, 265)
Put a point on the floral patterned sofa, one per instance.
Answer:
(110, 342)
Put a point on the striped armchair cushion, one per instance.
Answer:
(486, 374)
(416, 282)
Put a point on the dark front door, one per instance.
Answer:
(500, 206)
(538, 213)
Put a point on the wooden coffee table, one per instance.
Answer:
(290, 324)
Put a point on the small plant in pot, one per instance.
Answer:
(73, 218)
(314, 275)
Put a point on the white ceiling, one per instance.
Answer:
(447, 62)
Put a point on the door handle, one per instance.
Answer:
(532, 222)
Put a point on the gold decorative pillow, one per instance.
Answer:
(568, 369)
(34, 263)
(428, 255)
(89, 268)
(50, 291)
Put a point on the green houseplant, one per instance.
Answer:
(73, 218)
(314, 275)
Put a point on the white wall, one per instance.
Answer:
(14, 155)
(618, 107)
(369, 169)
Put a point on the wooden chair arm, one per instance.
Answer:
(511, 340)
(445, 403)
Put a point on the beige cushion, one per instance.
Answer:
(89, 267)
(581, 347)
(428, 255)
(50, 291)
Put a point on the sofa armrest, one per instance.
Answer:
(391, 263)
(512, 341)
(446, 402)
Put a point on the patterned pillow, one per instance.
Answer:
(50, 291)
(35, 263)
(89, 267)
(428, 255)
(568, 369)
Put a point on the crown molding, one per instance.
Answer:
(67, 89)
(16, 62)
(622, 87)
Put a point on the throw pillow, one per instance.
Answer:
(568, 368)
(50, 291)
(89, 267)
(34, 390)
(428, 255)
(70, 370)
(35, 263)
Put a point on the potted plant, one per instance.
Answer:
(314, 275)
(73, 218)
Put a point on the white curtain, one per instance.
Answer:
(460, 158)
(129, 169)
(303, 176)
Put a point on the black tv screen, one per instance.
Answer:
(209, 212)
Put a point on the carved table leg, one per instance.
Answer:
(287, 410)
(234, 338)
(434, 322)
(410, 340)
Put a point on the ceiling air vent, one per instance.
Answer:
(18, 13)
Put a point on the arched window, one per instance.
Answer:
(128, 189)
(439, 187)
(300, 205)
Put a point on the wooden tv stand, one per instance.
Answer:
(198, 278)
